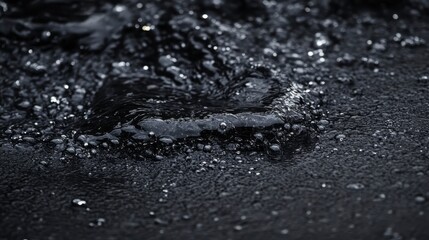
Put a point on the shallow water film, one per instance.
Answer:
(214, 119)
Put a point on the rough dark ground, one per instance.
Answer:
(365, 177)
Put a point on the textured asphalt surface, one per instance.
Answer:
(366, 177)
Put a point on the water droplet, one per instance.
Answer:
(57, 141)
(238, 227)
(71, 150)
(146, 28)
(412, 42)
(275, 148)
(207, 148)
(259, 136)
(119, 8)
(420, 199)
(160, 221)
(321, 40)
(24, 104)
(98, 222)
(166, 140)
(340, 137)
(78, 202)
(355, 186)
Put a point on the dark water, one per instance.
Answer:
(136, 74)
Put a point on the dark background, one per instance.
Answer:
(371, 183)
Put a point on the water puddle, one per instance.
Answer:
(251, 111)
(154, 78)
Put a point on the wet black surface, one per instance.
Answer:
(239, 120)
